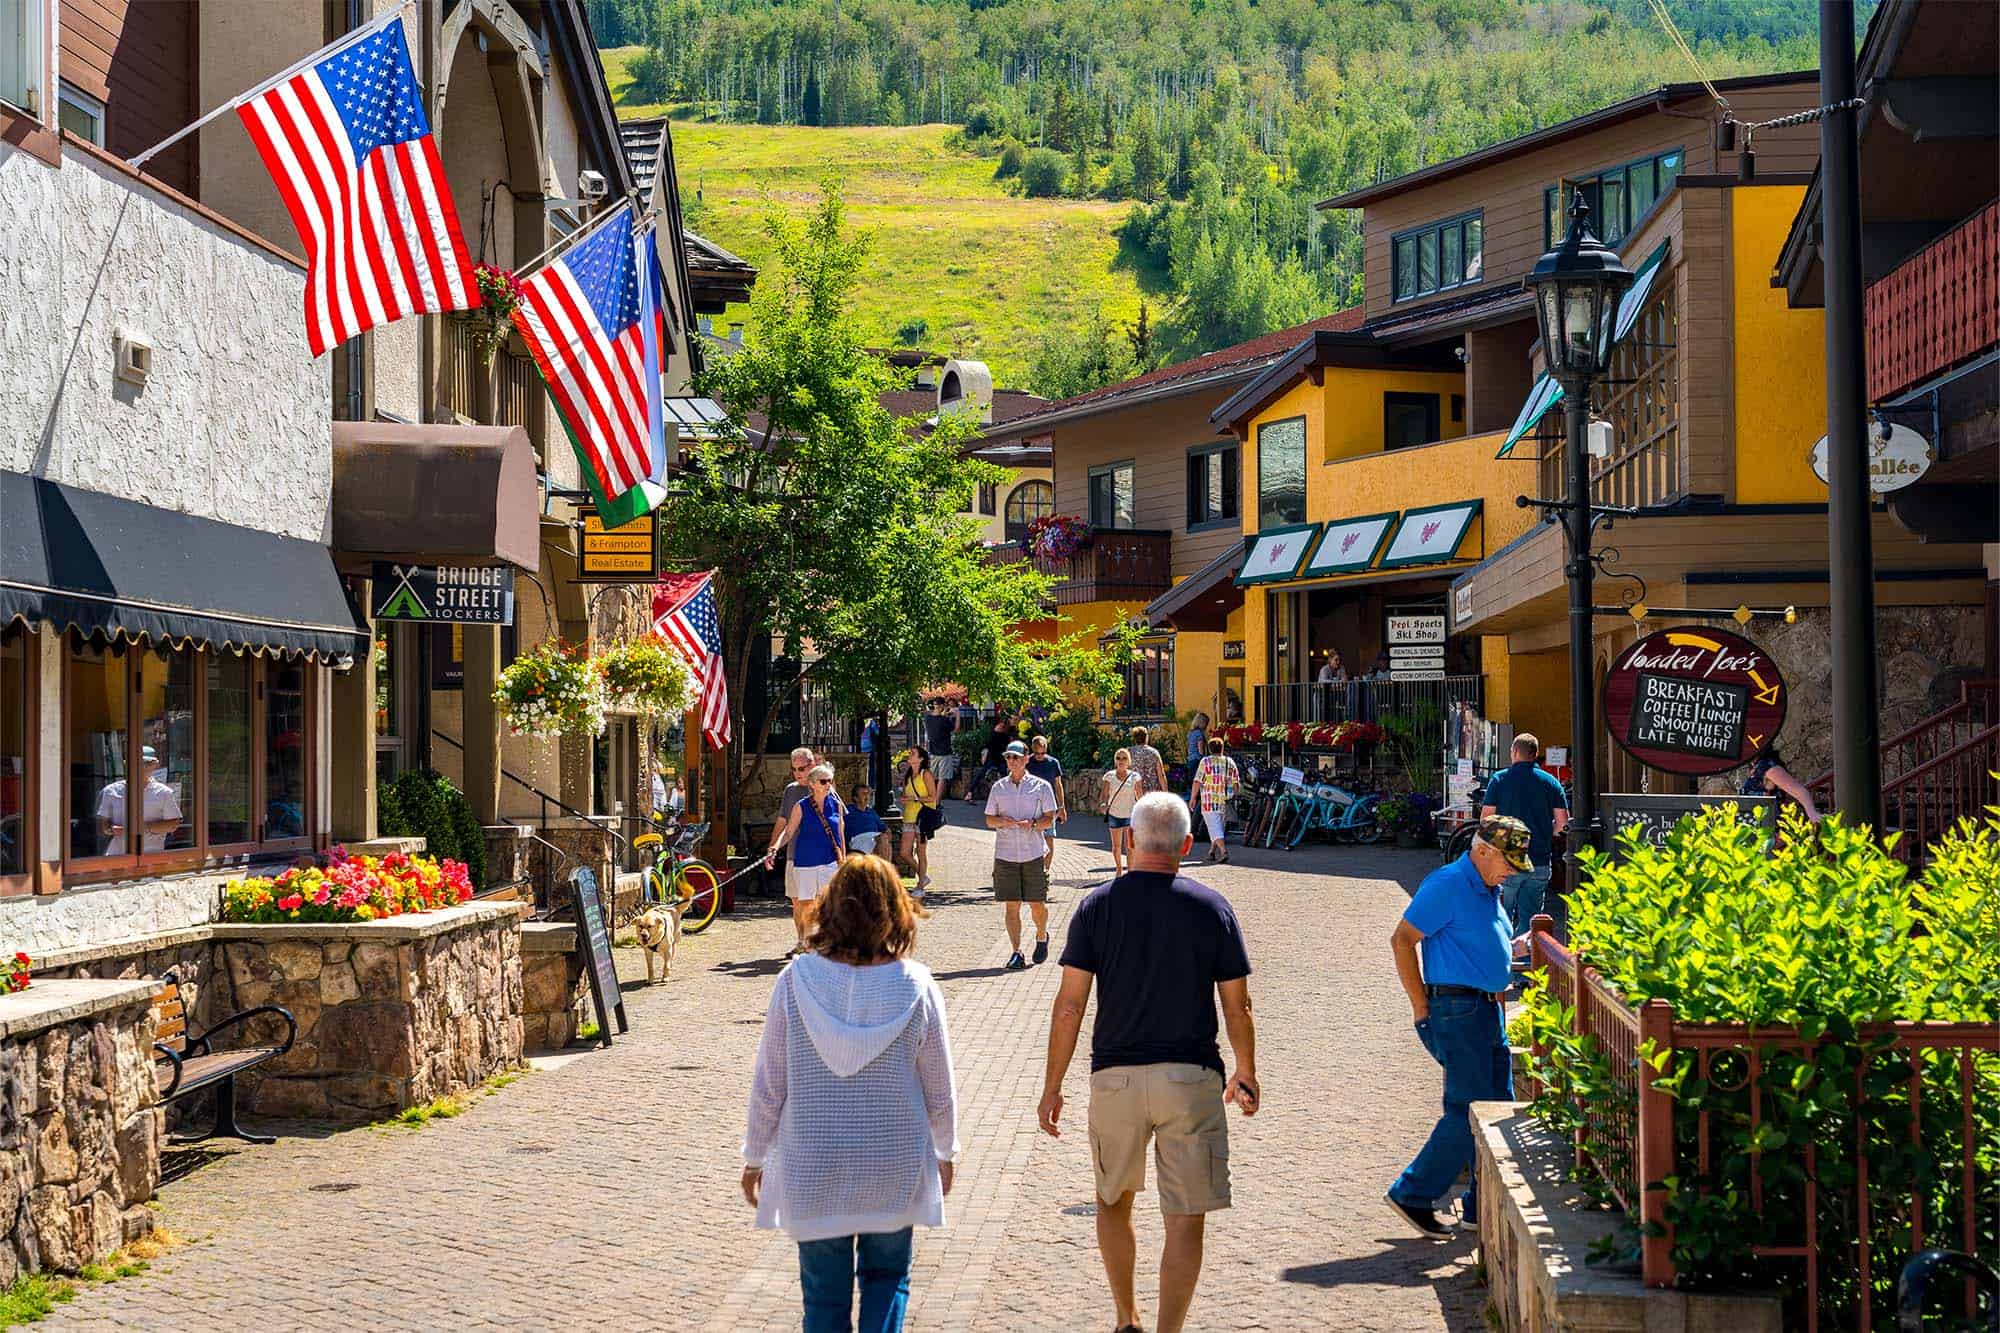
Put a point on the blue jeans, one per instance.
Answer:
(828, 1268)
(1463, 1034)
(1523, 895)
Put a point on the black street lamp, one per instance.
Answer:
(1577, 289)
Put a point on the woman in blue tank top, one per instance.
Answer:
(818, 840)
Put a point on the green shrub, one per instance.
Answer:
(1012, 158)
(1824, 934)
(1043, 173)
(1074, 739)
(422, 804)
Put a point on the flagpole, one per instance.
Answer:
(341, 44)
(563, 242)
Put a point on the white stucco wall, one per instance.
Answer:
(233, 423)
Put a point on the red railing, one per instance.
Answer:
(1937, 308)
(1630, 1142)
(1935, 771)
(1118, 563)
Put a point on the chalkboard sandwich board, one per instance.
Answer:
(595, 941)
(1657, 815)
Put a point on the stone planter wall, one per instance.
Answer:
(80, 1127)
(553, 989)
(391, 1014)
(584, 844)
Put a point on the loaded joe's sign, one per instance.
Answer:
(464, 594)
(1694, 700)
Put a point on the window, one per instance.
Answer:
(1438, 257)
(176, 755)
(1409, 418)
(988, 499)
(1281, 472)
(1031, 500)
(1111, 495)
(1211, 485)
(23, 57)
(1619, 197)
(16, 735)
(1149, 681)
(79, 112)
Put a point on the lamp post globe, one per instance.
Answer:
(1577, 287)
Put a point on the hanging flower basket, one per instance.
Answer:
(499, 298)
(1057, 536)
(553, 691)
(647, 676)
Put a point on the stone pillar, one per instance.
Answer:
(482, 722)
(353, 749)
(575, 750)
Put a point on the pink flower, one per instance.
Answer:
(291, 903)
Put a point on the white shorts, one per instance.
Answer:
(1213, 818)
(808, 881)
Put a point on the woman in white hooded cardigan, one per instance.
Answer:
(853, 1112)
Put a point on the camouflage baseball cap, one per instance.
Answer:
(1510, 837)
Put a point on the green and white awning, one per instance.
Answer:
(1430, 535)
(1546, 393)
(1276, 554)
(1350, 544)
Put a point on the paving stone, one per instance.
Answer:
(605, 1191)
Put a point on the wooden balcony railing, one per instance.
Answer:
(1937, 308)
(1119, 564)
(1641, 397)
(518, 398)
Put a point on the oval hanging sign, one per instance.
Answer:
(1694, 700)
(1897, 457)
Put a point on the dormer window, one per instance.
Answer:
(1619, 197)
(1439, 256)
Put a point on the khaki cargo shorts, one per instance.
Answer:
(1178, 1107)
(1020, 881)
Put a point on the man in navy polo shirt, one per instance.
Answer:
(1456, 922)
(1530, 793)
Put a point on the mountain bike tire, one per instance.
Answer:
(701, 895)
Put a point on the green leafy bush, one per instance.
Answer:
(1824, 935)
(422, 804)
(1043, 173)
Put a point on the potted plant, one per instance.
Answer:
(554, 690)
(493, 321)
(1057, 536)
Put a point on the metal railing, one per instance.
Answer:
(1936, 771)
(1366, 700)
(1631, 1140)
(1936, 308)
(545, 884)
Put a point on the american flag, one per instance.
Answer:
(348, 144)
(580, 318)
(684, 615)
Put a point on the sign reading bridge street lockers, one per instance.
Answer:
(448, 594)
(1694, 700)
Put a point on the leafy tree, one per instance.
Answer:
(1043, 173)
(1068, 362)
(838, 525)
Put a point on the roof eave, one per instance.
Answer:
(1152, 393)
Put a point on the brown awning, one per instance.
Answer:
(441, 494)
(1202, 601)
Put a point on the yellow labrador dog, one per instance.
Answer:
(659, 932)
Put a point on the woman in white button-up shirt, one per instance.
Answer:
(853, 1115)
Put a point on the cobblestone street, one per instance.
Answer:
(602, 1188)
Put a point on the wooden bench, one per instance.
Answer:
(186, 1062)
(519, 891)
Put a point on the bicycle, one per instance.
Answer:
(1344, 815)
(677, 873)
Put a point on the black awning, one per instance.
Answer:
(1202, 601)
(93, 561)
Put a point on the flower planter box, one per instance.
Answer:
(391, 1013)
(80, 1127)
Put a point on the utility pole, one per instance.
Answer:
(1857, 765)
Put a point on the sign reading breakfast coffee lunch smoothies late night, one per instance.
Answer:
(1694, 700)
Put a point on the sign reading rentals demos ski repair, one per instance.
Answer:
(1694, 700)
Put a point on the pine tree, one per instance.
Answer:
(809, 112)
(1079, 166)
(1146, 163)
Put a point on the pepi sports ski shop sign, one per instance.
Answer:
(1694, 700)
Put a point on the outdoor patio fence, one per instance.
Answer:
(1631, 1140)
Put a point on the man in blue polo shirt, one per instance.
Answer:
(1456, 922)
(1530, 793)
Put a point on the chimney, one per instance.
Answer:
(736, 332)
(706, 323)
(966, 386)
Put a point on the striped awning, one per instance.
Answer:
(1546, 393)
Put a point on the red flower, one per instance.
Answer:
(22, 959)
(290, 904)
